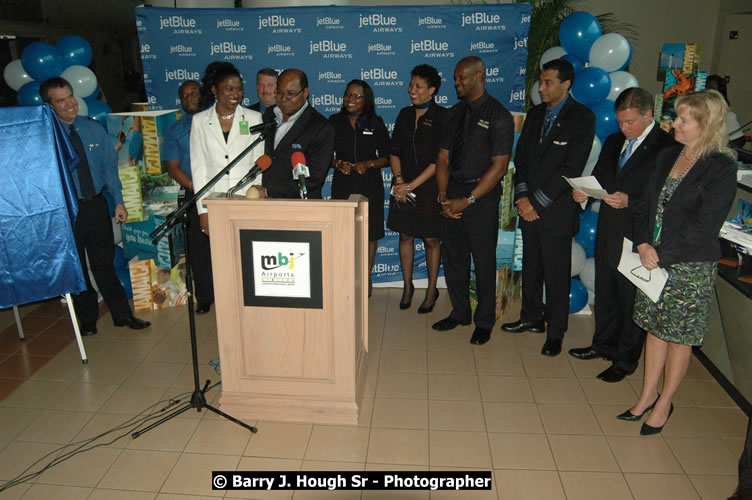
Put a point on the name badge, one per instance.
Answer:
(427, 123)
(243, 124)
(367, 131)
(484, 124)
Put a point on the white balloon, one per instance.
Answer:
(82, 79)
(610, 52)
(578, 259)
(83, 108)
(587, 274)
(590, 297)
(620, 81)
(15, 75)
(553, 53)
(595, 152)
(534, 95)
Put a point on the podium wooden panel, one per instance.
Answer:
(287, 363)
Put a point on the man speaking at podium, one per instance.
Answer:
(300, 129)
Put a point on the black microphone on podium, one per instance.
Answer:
(262, 164)
(300, 172)
(262, 127)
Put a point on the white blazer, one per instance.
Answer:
(210, 153)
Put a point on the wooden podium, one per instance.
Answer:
(286, 355)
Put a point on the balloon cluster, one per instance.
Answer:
(69, 58)
(599, 61)
(582, 289)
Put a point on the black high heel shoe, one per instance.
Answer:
(631, 417)
(428, 309)
(406, 305)
(649, 430)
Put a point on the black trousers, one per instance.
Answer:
(475, 234)
(93, 233)
(200, 250)
(616, 335)
(745, 461)
(546, 259)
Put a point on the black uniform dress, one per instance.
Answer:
(417, 147)
(368, 141)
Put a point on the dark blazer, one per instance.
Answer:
(539, 166)
(695, 213)
(255, 106)
(312, 135)
(614, 225)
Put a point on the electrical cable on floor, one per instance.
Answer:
(132, 424)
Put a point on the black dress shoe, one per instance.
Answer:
(612, 374)
(203, 308)
(406, 305)
(480, 336)
(88, 330)
(585, 353)
(649, 430)
(448, 323)
(428, 309)
(524, 326)
(552, 347)
(135, 324)
(631, 417)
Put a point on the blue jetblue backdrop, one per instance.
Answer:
(334, 45)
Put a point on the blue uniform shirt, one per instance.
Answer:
(177, 144)
(101, 156)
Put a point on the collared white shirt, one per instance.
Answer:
(639, 140)
(285, 127)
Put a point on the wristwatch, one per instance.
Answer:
(471, 199)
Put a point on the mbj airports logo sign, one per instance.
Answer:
(282, 269)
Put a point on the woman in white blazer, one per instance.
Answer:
(220, 133)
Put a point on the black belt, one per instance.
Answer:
(466, 181)
(81, 200)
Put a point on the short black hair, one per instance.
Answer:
(429, 74)
(715, 82)
(56, 82)
(563, 67)
(215, 73)
(369, 102)
(187, 82)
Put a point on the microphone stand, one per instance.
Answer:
(198, 398)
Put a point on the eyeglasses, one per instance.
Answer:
(290, 94)
(354, 96)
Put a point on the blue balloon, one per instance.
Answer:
(577, 296)
(42, 61)
(588, 227)
(99, 111)
(74, 50)
(605, 119)
(577, 33)
(576, 63)
(591, 85)
(28, 95)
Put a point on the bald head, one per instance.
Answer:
(470, 78)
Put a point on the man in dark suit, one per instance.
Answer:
(300, 129)
(625, 163)
(556, 139)
(266, 86)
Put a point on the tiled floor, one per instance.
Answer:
(433, 401)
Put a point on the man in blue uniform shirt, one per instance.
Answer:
(95, 173)
(177, 155)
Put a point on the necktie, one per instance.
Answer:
(547, 123)
(459, 138)
(85, 182)
(624, 156)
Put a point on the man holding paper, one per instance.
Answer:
(625, 163)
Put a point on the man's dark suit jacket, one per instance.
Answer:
(616, 224)
(255, 106)
(312, 135)
(695, 213)
(539, 166)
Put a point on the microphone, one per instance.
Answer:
(262, 164)
(300, 172)
(262, 127)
